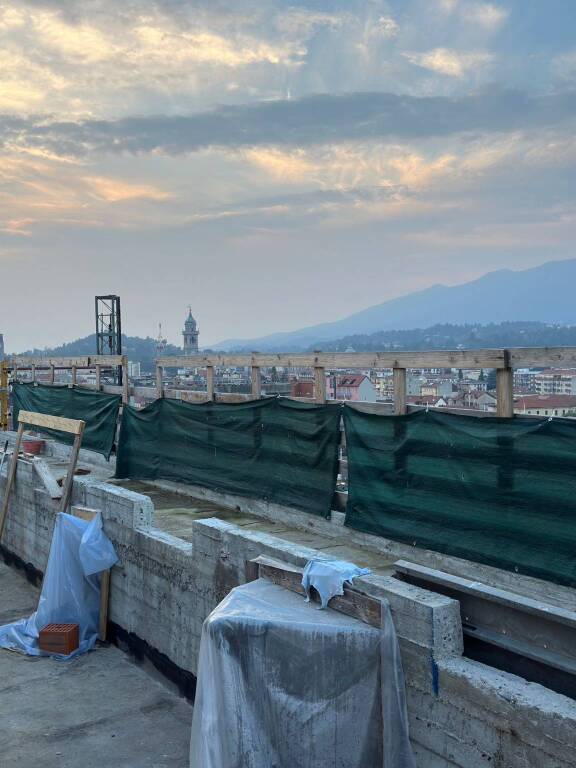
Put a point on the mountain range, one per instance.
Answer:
(544, 294)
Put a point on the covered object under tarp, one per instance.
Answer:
(282, 684)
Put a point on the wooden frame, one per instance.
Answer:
(43, 421)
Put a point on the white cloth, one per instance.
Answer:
(328, 577)
(71, 587)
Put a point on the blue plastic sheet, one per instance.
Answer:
(328, 577)
(70, 594)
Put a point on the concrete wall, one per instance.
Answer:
(462, 713)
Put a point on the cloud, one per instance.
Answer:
(313, 120)
(116, 190)
(448, 62)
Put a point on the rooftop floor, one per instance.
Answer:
(100, 709)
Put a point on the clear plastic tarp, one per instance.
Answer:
(284, 685)
(80, 550)
(328, 577)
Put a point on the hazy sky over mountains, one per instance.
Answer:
(275, 164)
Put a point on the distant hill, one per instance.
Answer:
(137, 349)
(469, 336)
(543, 294)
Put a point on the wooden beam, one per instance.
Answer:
(48, 479)
(51, 376)
(98, 378)
(399, 382)
(320, 383)
(352, 603)
(3, 396)
(125, 381)
(256, 380)
(159, 385)
(45, 421)
(68, 483)
(74, 370)
(10, 479)
(210, 382)
(505, 392)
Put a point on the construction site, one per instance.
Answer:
(462, 528)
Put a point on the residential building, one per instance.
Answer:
(356, 387)
(546, 405)
(555, 382)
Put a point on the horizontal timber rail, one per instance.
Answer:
(97, 363)
(503, 360)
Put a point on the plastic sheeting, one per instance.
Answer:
(98, 410)
(280, 450)
(71, 587)
(283, 685)
(328, 578)
(496, 491)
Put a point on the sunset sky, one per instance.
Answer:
(274, 164)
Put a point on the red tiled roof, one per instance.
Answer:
(545, 401)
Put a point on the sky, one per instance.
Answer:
(274, 164)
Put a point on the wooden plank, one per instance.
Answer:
(10, 479)
(98, 378)
(555, 357)
(399, 383)
(352, 603)
(505, 392)
(45, 421)
(461, 358)
(67, 488)
(21, 361)
(125, 381)
(74, 372)
(256, 380)
(210, 382)
(159, 384)
(320, 385)
(49, 481)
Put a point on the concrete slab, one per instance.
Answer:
(100, 709)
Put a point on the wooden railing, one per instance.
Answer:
(503, 360)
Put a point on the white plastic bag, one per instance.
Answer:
(283, 685)
(71, 587)
(328, 577)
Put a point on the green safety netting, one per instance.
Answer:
(496, 491)
(98, 410)
(279, 450)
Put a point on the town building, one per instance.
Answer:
(545, 405)
(355, 387)
(190, 335)
(555, 382)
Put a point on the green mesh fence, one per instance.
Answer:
(279, 450)
(496, 491)
(98, 410)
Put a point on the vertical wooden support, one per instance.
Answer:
(98, 378)
(34, 374)
(125, 381)
(256, 378)
(320, 383)
(505, 392)
(159, 385)
(68, 483)
(210, 382)
(51, 378)
(15, 372)
(399, 382)
(10, 479)
(74, 375)
(3, 396)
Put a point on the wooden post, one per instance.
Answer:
(67, 488)
(3, 396)
(125, 381)
(33, 374)
(159, 385)
(320, 382)
(210, 382)
(98, 378)
(256, 377)
(399, 382)
(73, 375)
(505, 392)
(11, 478)
(51, 378)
